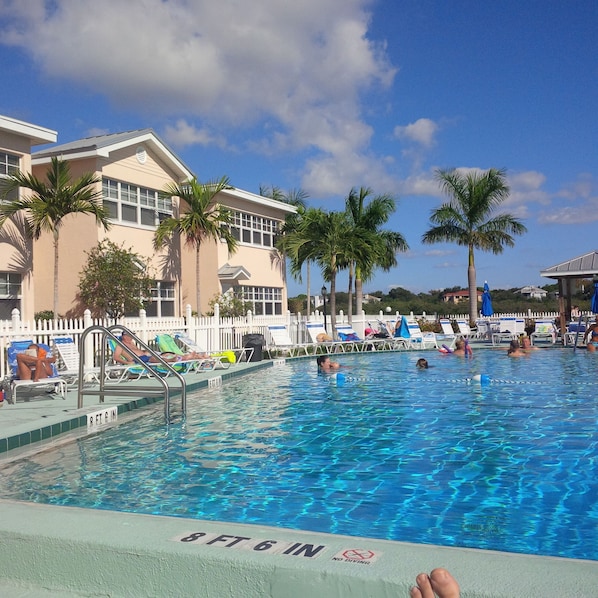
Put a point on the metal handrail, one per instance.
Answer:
(130, 390)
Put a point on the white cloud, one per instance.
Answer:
(294, 72)
(422, 131)
(183, 134)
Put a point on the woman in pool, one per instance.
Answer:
(592, 331)
(422, 364)
(325, 365)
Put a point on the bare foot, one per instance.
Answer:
(439, 583)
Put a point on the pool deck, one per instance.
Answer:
(66, 551)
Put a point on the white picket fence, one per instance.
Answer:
(213, 333)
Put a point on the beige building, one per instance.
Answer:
(134, 167)
(16, 250)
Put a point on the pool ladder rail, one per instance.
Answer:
(128, 388)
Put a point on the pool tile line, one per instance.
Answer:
(51, 431)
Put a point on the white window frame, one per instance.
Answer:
(251, 229)
(132, 205)
(263, 300)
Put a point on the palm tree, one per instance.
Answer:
(467, 218)
(296, 198)
(51, 201)
(200, 219)
(328, 239)
(370, 218)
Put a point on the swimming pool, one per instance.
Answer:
(395, 453)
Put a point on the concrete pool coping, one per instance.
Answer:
(52, 551)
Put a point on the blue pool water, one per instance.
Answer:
(395, 453)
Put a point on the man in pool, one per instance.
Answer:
(439, 583)
(526, 344)
(325, 365)
(422, 364)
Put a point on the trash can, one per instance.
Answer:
(257, 342)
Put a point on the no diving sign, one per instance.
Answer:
(361, 556)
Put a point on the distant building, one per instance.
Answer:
(458, 296)
(371, 299)
(531, 292)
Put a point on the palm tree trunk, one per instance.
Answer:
(55, 306)
(358, 292)
(473, 291)
(308, 279)
(197, 293)
(350, 294)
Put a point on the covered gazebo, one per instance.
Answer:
(584, 266)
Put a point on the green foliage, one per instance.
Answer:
(47, 314)
(115, 281)
(231, 305)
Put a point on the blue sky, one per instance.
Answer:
(326, 95)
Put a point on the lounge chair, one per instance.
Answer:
(509, 329)
(280, 340)
(318, 335)
(68, 361)
(223, 359)
(167, 344)
(346, 334)
(544, 329)
(54, 382)
(419, 339)
(447, 336)
(465, 329)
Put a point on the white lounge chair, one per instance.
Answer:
(224, 359)
(465, 329)
(510, 328)
(544, 329)
(68, 361)
(419, 339)
(316, 331)
(280, 340)
(447, 336)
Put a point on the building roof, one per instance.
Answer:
(579, 267)
(104, 145)
(228, 272)
(531, 289)
(36, 135)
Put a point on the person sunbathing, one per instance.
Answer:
(122, 355)
(34, 364)
(439, 583)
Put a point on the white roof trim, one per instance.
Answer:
(260, 200)
(35, 133)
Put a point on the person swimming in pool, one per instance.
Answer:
(325, 365)
(593, 331)
(422, 364)
(439, 583)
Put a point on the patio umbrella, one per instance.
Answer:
(595, 299)
(487, 301)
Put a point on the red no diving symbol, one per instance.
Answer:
(356, 554)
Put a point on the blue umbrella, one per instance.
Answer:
(595, 299)
(487, 301)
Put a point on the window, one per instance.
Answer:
(9, 164)
(162, 304)
(254, 230)
(135, 205)
(10, 294)
(264, 300)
